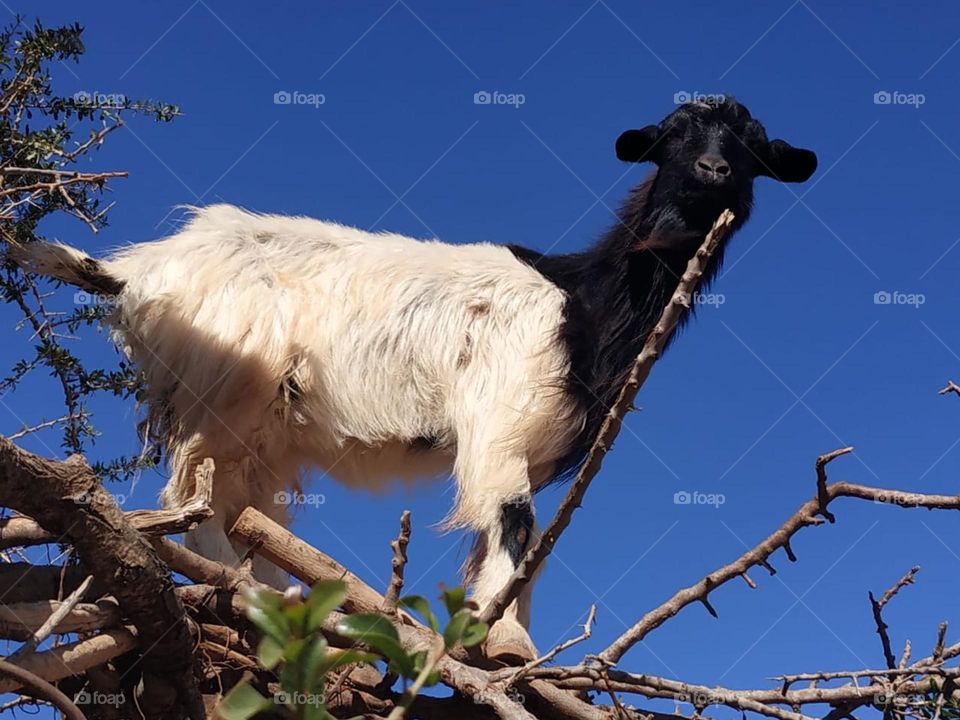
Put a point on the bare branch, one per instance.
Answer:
(52, 622)
(397, 564)
(805, 516)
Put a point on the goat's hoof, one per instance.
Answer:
(509, 643)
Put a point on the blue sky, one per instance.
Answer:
(798, 359)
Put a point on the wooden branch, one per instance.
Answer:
(678, 306)
(397, 564)
(951, 387)
(52, 622)
(304, 562)
(805, 516)
(20, 621)
(763, 702)
(23, 531)
(878, 605)
(39, 688)
(203, 570)
(185, 517)
(75, 658)
(66, 498)
(516, 675)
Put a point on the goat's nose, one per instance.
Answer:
(713, 166)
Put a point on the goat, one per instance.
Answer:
(275, 344)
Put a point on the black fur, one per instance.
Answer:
(618, 288)
(516, 527)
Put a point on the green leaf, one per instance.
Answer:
(453, 633)
(378, 632)
(325, 597)
(242, 703)
(272, 622)
(311, 662)
(270, 652)
(291, 653)
(475, 633)
(454, 598)
(419, 605)
(339, 659)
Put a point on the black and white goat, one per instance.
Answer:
(277, 344)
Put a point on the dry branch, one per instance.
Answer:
(23, 531)
(52, 623)
(66, 498)
(397, 564)
(805, 516)
(877, 607)
(21, 621)
(75, 658)
(304, 562)
(678, 306)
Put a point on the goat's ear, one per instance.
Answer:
(638, 145)
(786, 163)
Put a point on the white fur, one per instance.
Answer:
(275, 344)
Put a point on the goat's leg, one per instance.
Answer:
(494, 500)
(499, 551)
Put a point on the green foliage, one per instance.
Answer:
(296, 651)
(43, 137)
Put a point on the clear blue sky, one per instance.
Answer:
(798, 360)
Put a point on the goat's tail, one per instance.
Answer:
(65, 263)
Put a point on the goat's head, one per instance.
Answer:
(708, 154)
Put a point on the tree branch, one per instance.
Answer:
(805, 516)
(67, 499)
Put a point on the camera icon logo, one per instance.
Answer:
(681, 96)
(682, 497)
(882, 97)
(882, 297)
(282, 97)
(482, 97)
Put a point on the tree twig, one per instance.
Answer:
(805, 516)
(51, 623)
(397, 564)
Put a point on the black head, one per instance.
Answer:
(707, 156)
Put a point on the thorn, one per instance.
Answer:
(709, 607)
